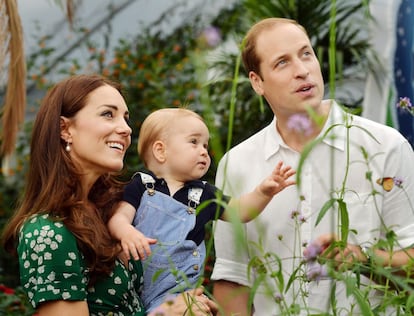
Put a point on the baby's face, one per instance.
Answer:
(187, 149)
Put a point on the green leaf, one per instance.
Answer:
(343, 211)
(328, 204)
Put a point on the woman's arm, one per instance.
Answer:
(63, 308)
(192, 302)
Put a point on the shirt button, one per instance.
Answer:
(195, 267)
(195, 253)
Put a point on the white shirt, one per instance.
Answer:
(323, 174)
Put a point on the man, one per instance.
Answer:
(355, 185)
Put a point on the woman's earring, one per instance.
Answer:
(67, 148)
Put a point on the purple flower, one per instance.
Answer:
(211, 36)
(169, 299)
(300, 123)
(405, 104)
(316, 271)
(159, 311)
(312, 251)
(294, 214)
(398, 181)
(278, 297)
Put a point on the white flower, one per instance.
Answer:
(51, 276)
(117, 280)
(54, 245)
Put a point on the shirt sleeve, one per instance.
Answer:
(133, 191)
(51, 265)
(229, 241)
(217, 201)
(398, 203)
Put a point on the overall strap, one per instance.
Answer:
(194, 195)
(149, 182)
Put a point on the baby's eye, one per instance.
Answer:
(193, 141)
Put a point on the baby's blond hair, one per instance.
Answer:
(157, 126)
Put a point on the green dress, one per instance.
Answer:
(53, 268)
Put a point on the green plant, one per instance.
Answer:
(13, 302)
(158, 70)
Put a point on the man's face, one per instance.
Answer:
(291, 78)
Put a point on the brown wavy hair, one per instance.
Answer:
(53, 183)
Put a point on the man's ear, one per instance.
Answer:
(64, 129)
(159, 151)
(256, 82)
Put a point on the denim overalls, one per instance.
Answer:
(175, 263)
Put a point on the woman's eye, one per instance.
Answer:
(108, 114)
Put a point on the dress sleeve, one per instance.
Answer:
(51, 265)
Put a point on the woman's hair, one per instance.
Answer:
(251, 60)
(53, 183)
(156, 126)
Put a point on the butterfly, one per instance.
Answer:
(386, 183)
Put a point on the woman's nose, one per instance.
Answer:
(124, 128)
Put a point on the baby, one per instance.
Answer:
(158, 222)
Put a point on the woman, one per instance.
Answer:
(68, 261)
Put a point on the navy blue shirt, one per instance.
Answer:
(208, 211)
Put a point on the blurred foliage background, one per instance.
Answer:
(186, 68)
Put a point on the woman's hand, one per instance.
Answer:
(192, 302)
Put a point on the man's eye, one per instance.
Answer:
(281, 63)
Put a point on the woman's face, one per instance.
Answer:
(99, 133)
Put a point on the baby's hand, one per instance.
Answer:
(135, 244)
(278, 180)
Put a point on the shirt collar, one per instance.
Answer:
(273, 140)
(336, 118)
(333, 132)
(161, 181)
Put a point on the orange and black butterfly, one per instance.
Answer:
(386, 183)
